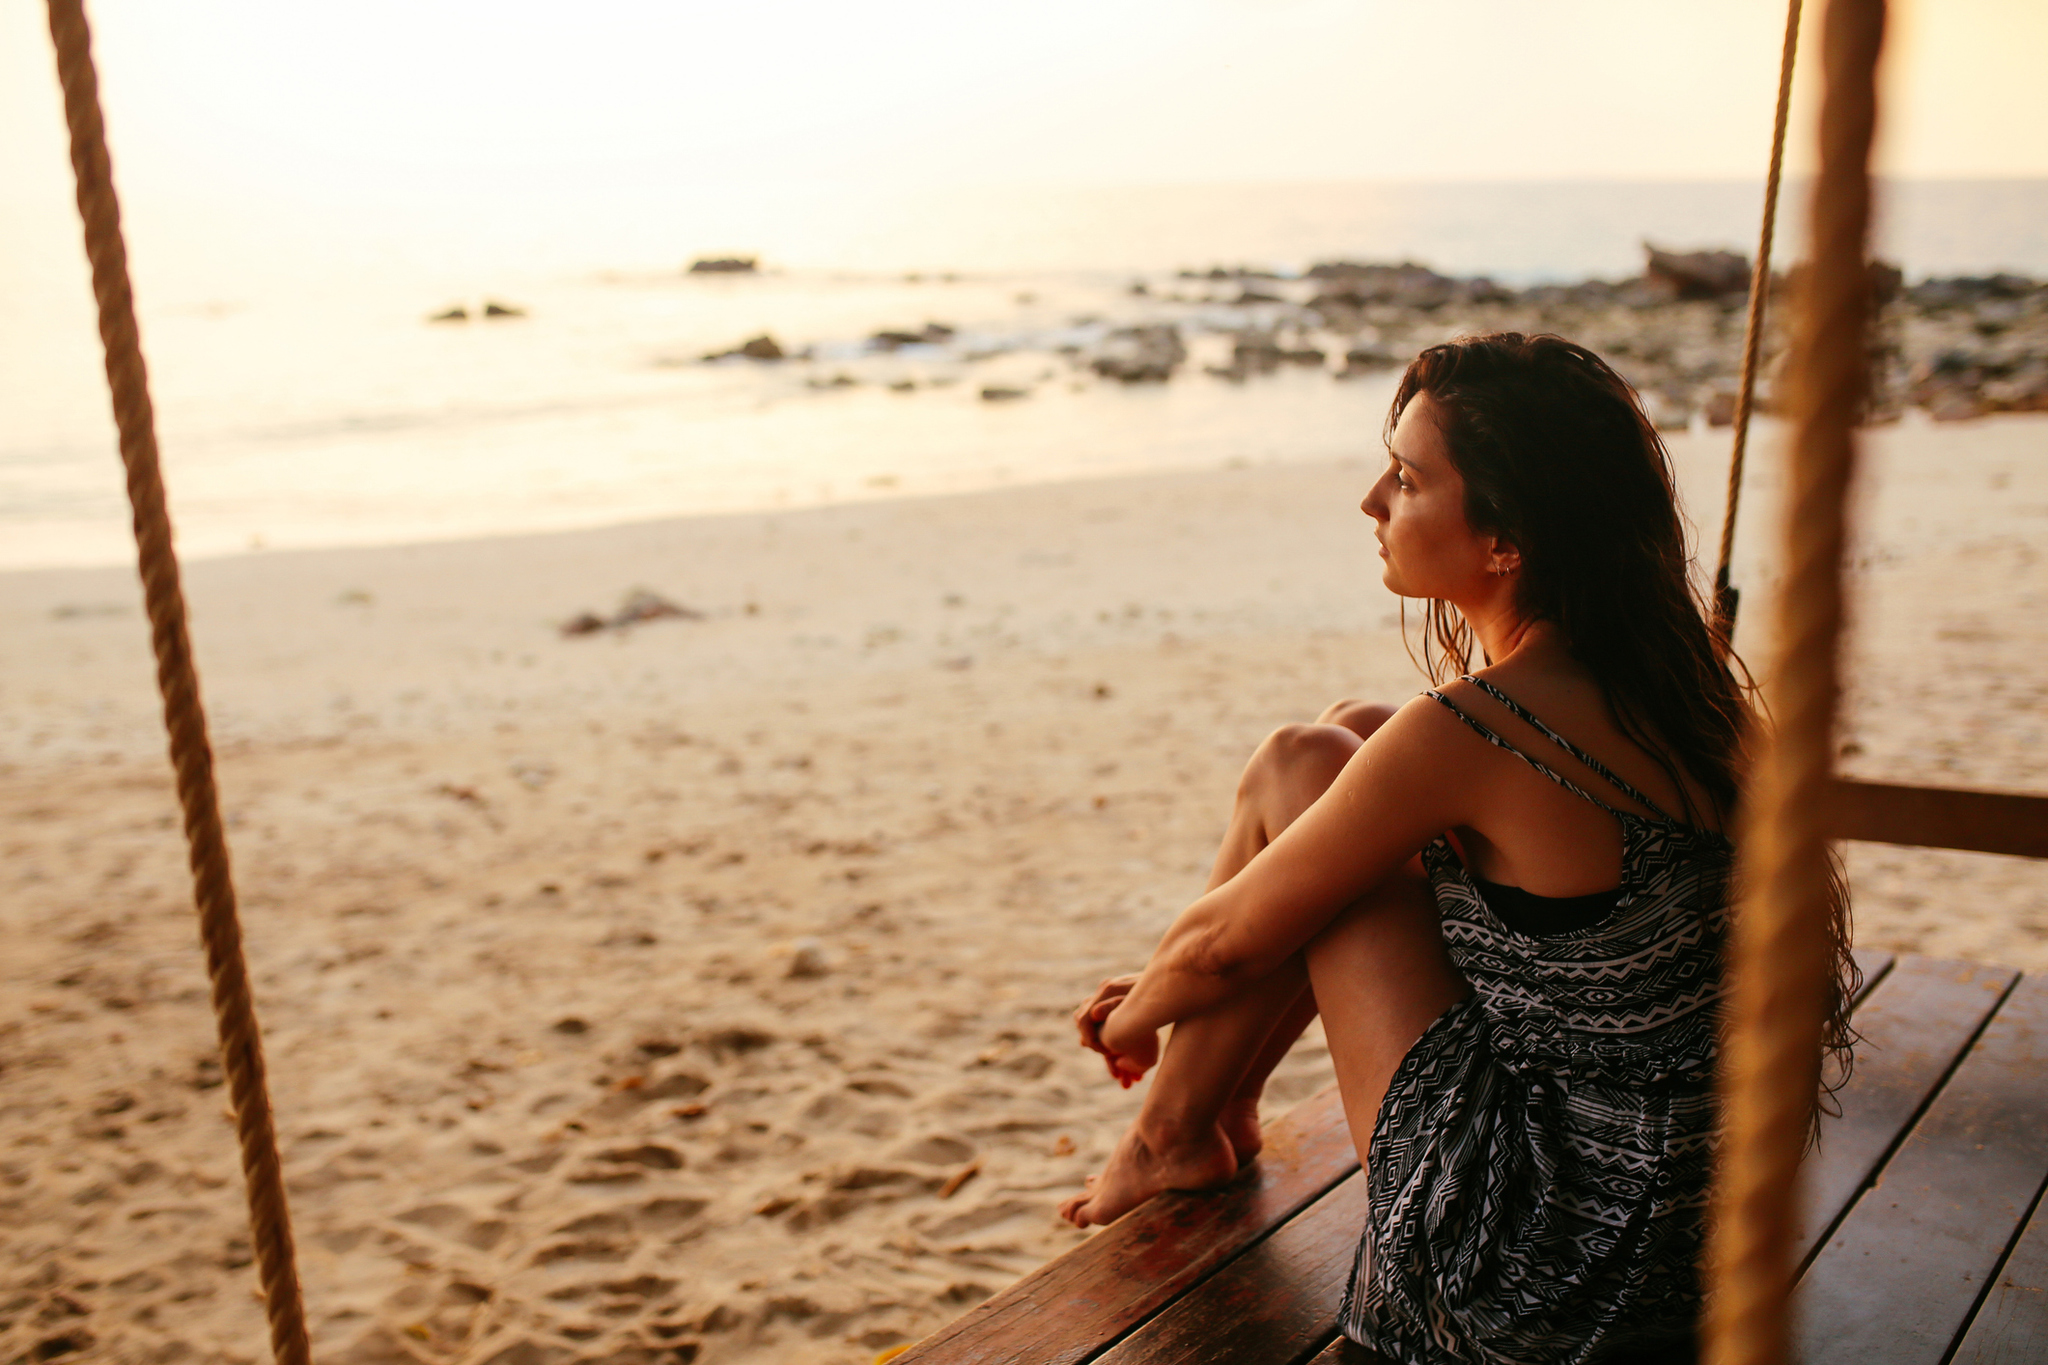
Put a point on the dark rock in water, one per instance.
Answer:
(1350, 287)
(762, 347)
(1262, 353)
(1141, 355)
(1251, 296)
(1218, 272)
(1368, 359)
(1967, 291)
(932, 334)
(1255, 353)
(2025, 389)
(1668, 409)
(1719, 408)
(725, 265)
(996, 393)
(1697, 274)
(1960, 383)
(456, 314)
(494, 309)
(841, 380)
(583, 623)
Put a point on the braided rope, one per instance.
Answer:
(1771, 1066)
(241, 1043)
(1725, 596)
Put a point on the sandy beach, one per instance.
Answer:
(697, 990)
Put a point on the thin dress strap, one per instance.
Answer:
(1491, 738)
(1555, 738)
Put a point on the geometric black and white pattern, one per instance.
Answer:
(1537, 1182)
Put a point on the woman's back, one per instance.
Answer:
(1542, 1156)
(1530, 832)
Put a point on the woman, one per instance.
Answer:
(1511, 926)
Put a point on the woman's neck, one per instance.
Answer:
(1505, 630)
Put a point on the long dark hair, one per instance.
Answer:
(1560, 461)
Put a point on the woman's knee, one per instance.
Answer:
(1297, 754)
(1359, 717)
(1293, 767)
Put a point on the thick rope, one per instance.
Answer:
(1782, 957)
(1726, 598)
(241, 1045)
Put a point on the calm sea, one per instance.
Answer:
(304, 399)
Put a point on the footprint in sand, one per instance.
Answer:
(454, 1223)
(626, 1165)
(652, 1216)
(936, 1149)
(970, 1221)
(850, 1189)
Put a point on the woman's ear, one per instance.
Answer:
(1503, 560)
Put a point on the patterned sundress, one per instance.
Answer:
(1538, 1173)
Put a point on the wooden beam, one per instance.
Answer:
(1942, 817)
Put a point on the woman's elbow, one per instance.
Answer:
(1220, 956)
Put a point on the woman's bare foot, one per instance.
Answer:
(1139, 1169)
(1240, 1123)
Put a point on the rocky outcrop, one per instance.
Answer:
(1141, 355)
(1348, 292)
(725, 265)
(1958, 347)
(762, 347)
(932, 334)
(1697, 274)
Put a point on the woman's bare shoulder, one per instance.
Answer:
(1426, 730)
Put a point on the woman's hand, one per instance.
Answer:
(1092, 1017)
(1131, 1051)
(1089, 1015)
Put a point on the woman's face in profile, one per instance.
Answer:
(1418, 504)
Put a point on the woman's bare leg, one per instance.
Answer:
(1199, 1121)
(1382, 976)
(1241, 1111)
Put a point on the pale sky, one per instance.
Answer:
(239, 93)
(284, 102)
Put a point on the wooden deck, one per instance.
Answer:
(1923, 1237)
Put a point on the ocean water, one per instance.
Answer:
(304, 400)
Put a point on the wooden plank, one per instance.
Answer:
(1942, 817)
(1873, 965)
(2011, 1326)
(1898, 1281)
(1275, 1304)
(1915, 1026)
(1070, 1308)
